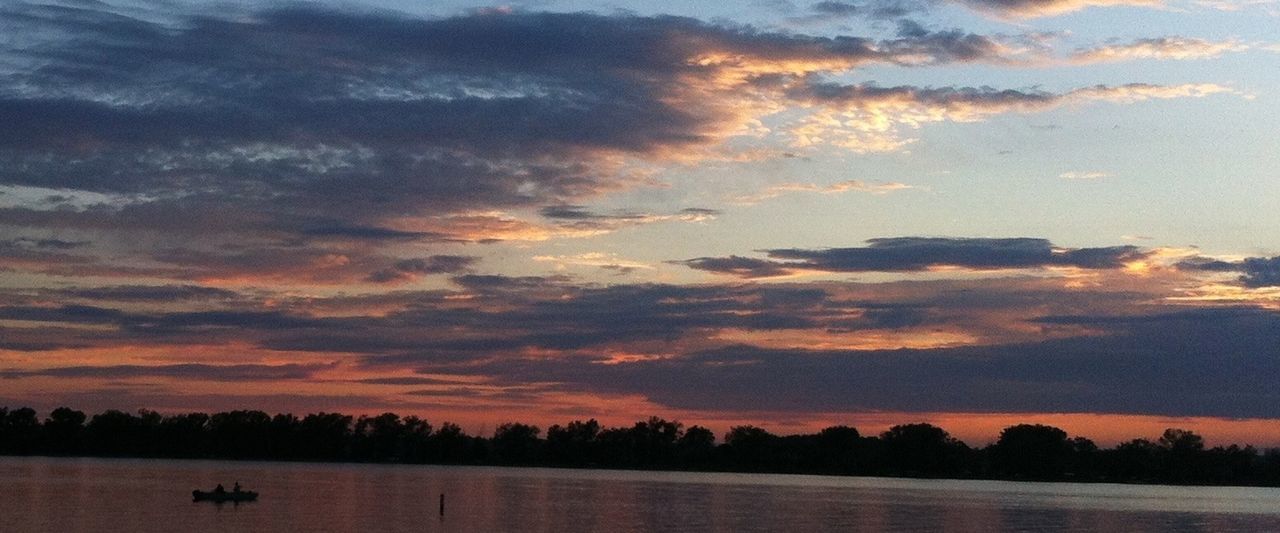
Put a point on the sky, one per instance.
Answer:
(782, 213)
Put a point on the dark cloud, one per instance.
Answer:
(73, 314)
(1254, 271)
(289, 144)
(497, 316)
(699, 211)
(942, 97)
(912, 254)
(148, 293)
(289, 111)
(1170, 365)
(174, 399)
(160, 325)
(884, 316)
(569, 212)
(366, 232)
(745, 267)
(28, 242)
(407, 269)
(836, 9)
(581, 218)
(483, 282)
(437, 264)
(1261, 272)
(876, 10)
(192, 322)
(190, 371)
(35, 346)
(357, 89)
(1209, 265)
(1027, 344)
(407, 380)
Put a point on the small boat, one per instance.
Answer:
(224, 496)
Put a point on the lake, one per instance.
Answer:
(141, 495)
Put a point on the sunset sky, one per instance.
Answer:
(784, 213)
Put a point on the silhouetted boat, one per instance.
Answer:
(215, 496)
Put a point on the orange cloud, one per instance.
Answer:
(1050, 8)
(1162, 48)
(865, 118)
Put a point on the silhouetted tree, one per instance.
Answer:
(19, 431)
(923, 450)
(1023, 451)
(750, 448)
(1032, 451)
(839, 450)
(516, 444)
(379, 438)
(654, 441)
(1084, 459)
(1183, 460)
(63, 432)
(1181, 441)
(696, 447)
(325, 436)
(1232, 465)
(573, 444)
(451, 446)
(117, 433)
(282, 436)
(241, 434)
(1135, 460)
(185, 435)
(414, 437)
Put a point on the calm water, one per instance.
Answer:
(59, 495)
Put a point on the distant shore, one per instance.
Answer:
(1024, 452)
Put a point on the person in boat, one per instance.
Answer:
(219, 490)
(236, 489)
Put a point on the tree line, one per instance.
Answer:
(1022, 452)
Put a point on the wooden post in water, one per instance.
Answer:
(441, 504)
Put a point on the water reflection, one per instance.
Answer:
(148, 495)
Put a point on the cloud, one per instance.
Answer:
(1084, 175)
(836, 11)
(607, 261)
(868, 118)
(366, 232)
(487, 282)
(915, 254)
(182, 109)
(273, 150)
(407, 380)
(1049, 8)
(189, 371)
(1255, 272)
(1236, 5)
(147, 293)
(577, 218)
(1006, 9)
(743, 267)
(835, 188)
(1160, 48)
(409, 269)
(303, 144)
(1173, 364)
(29, 243)
(1014, 343)
(1261, 272)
